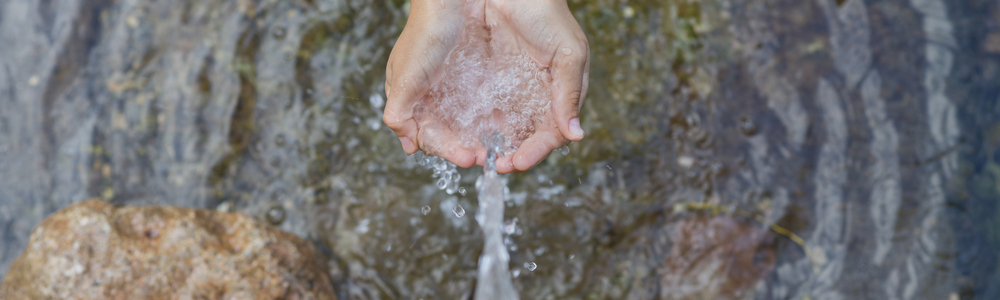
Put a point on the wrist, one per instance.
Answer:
(432, 8)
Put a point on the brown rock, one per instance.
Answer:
(715, 258)
(93, 250)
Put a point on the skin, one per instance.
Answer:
(544, 29)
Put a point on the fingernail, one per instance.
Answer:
(574, 127)
(407, 143)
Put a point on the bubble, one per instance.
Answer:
(425, 210)
(531, 266)
(445, 173)
(458, 210)
(478, 83)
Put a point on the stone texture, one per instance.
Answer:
(716, 258)
(94, 250)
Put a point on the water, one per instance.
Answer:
(493, 279)
(484, 89)
(866, 128)
(458, 210)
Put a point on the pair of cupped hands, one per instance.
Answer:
(543, 29)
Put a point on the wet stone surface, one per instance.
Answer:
(871, 138)
(94, 250)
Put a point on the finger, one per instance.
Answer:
(505, 164)
(440, 141)
(570, 70)
(536, 148)
(404, 127)
(481, 156)
(402, 92)
(411, 70)
(459, 155)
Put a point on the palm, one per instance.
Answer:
(514, 30)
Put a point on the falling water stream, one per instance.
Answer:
(493, 279)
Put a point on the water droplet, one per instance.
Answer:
(515, 273)
(510, 226)
(458, 210)
(376, 100)
(685, 161)
(564, 150)
(279, 32)
(425, 210)
(441, 183)
(747, 126)
(275, 215)
(362, 226)
(461, 191)
(531, 266)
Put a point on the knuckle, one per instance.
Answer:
(390, 119)
(574, 98)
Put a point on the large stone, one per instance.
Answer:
(94, 250)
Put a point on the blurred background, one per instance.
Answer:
(736, 149)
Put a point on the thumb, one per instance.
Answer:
(571, 70)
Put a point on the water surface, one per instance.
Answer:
(775, 149)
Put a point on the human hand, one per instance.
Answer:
(544, 30)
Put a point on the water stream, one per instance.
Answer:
(493, 279)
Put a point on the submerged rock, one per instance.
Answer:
(94, 250)
(716, 258)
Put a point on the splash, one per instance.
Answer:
(446, 175)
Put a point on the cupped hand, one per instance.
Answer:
(543, 29)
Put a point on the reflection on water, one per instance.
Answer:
(867, 128)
